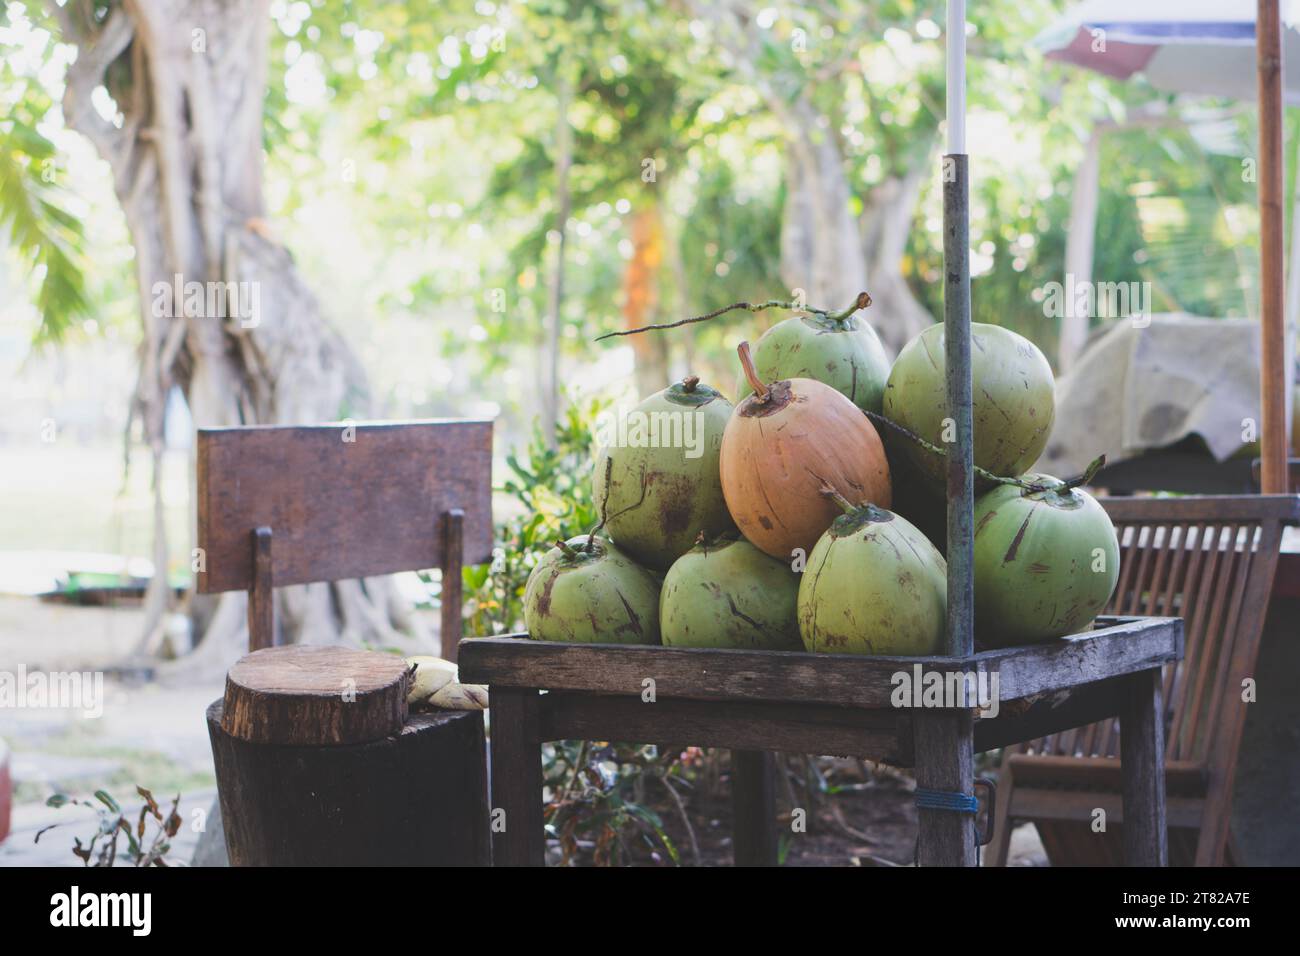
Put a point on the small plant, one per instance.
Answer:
(597, 805)
(102, 848)
(551, 488)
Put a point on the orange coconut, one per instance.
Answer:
(783, 447)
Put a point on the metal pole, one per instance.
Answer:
(944, 739)
(1273, 372)
(957, 346)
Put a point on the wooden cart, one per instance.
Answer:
(758, 702)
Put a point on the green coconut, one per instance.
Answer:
(1014, 401)
(845, 354)
(730, 594)
(591, 595)
(874, 584)
(664, 487)
(1046, 562)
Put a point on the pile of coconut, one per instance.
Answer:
(811, 515)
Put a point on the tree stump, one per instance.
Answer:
(319, 764)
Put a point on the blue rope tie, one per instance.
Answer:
(927, 799)
(957, 802)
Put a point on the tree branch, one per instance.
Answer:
(94, 56)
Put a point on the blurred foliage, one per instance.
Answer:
(411, 166)
(35, 208)
(552, 498)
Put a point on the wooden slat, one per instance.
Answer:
(343, 501)
(1285, 508)
(450, 595)
(739, 725)
(261, 599)
(1035, 803)
(1102, 773)
(1050, 715)
(788, 676)
(1198, 635)
(1216, 637)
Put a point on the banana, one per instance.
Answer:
(435, 684)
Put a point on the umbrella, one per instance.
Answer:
(1209, 47)
(1202, 47)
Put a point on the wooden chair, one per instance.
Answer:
(299, 504)
(1210, 560)
(280, 505)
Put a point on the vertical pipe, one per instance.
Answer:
(944, 740)
(956, 76)
(957, 366)
(956, 321)
(1273, 371)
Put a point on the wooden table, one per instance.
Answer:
(759, 702)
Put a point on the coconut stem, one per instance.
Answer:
(1089, 473)
(751, 373)
(861, 302)
(847, 506)
(568, 551)
(903, 430)
(689, 383)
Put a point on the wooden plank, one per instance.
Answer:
(1050, 714)
(797, 677)
(518, 838)
(450, 596)
(943, 762)
(261, 596)
(1138, 644)
(1217, 508)
(345, 500)
(1142, 760)
(1102, 773)
(883, 736)
(1037, 803)
(753, 799)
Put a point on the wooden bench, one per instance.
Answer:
(1211, 561)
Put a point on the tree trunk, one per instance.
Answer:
(641, 294)
(189, 79)
(887, 218)
(825, 251)
(821, 249)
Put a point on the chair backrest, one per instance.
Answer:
(281, 505)
(1211, 561)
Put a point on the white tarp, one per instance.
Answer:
(1136, 389)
